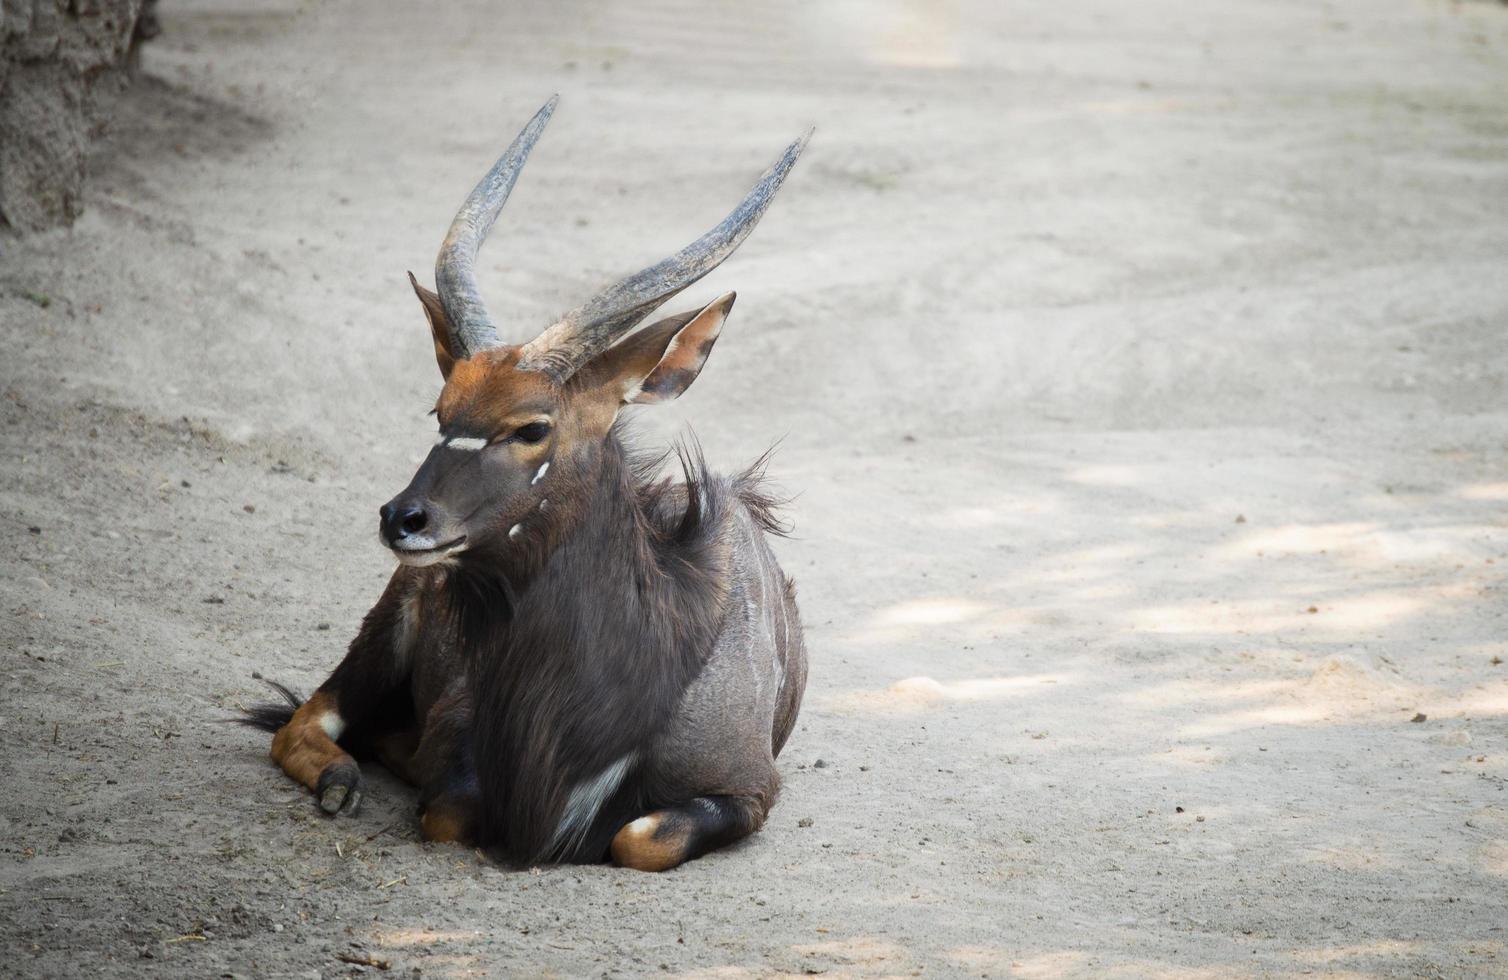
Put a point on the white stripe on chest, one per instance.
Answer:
(586, 799)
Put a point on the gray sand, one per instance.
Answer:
(1140, 371)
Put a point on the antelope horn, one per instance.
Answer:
(589, 329)
(471, 328)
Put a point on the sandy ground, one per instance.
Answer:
(1140, 370)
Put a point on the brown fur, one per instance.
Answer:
(663, 527)
(439, 327)
(302, 748)
(640, 846)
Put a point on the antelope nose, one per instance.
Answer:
(402, 519)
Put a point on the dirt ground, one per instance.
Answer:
(1140, 375)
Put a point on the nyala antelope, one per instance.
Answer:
(575, 659)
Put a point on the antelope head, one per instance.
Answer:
(517, 420)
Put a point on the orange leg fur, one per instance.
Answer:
(305, 748)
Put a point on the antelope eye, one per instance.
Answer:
(532, 433)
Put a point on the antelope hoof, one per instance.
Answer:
(446, 824)
(339, 788)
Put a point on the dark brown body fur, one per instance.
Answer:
(499, 684)
(575, 659)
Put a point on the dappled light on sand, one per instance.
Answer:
(1298, 538)
(1354, 858)
(1257, 691)
(448, 952)
(930, 612)
(917, 693)
(1334, 954)
(1361, 545)
(925, 35)
(1341, 616)
(915, 33)
(1106, 475)
(869, 953)
(401, 938)
(1495, 853)
(1063, 964)
(1485, 491)
(1487, 701)
(1005, 510)
(1339, 690)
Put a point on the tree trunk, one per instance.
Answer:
(62, 62)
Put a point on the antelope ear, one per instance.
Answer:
(439, 327)
(658, 363)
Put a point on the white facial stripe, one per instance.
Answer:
(543, 469)
(465, 444)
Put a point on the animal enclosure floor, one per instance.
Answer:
(1139, 376)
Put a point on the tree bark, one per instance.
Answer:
(62, 62)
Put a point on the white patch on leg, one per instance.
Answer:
(586, 799)
(333, 724)
(644, 826)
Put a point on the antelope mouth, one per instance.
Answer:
(423, 551)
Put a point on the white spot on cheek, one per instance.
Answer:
(543, 504)
(543, 469)
(515, 531)
(333, 725)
